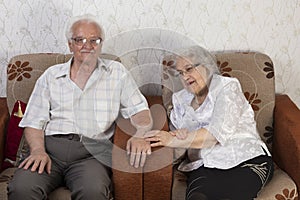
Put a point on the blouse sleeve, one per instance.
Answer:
(228, 110)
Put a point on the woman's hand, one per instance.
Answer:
(163, 138)
(181, 134)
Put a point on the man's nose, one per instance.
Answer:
(88, 44)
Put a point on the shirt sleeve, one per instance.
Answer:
(132, 100)
(37, 112)
(229, 105)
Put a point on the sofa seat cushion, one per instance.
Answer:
(280, 187)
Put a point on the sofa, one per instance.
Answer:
(276, 115)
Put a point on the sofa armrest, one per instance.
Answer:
(4, 116)
(156, 176)
(286, 141)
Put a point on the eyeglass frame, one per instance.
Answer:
(92, 41)
(188, 70)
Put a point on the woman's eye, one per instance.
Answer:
(189, 69)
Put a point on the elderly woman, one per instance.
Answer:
(225, 157)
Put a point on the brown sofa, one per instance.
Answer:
(159, 179)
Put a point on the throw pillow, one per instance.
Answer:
(13, 135)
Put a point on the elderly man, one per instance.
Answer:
(70, 118)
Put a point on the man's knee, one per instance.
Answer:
(93, 191)
(20, 190)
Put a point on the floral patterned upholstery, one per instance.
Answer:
(255, 71)
(256, 74)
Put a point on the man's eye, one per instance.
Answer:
(78, 39)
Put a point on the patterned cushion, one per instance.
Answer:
(13, 136)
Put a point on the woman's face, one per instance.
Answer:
(193, 75)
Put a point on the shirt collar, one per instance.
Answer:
(65, 69)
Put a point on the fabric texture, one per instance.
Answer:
(238, 139)
(13, 136)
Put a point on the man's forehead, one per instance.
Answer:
(81, 26)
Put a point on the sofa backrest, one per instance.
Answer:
(256, 74)
(24, 70)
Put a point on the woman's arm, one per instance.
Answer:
(198, 139)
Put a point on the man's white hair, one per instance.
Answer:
(83, 18)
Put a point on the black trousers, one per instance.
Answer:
(242, 182)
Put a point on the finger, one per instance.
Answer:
(143, 158)
(28, 164)
(149, 151)
(48, 167)
(172, 133)
(23, 163)
(156, 144)
(132, 158)
(180, 136)
(128, 148)
(152, 139)
(42, 166)
(137, 159)
(152, 133)
(35, 165)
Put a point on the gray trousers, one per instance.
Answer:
(72, 166)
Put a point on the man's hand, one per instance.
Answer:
(38, 160)
(138, 149)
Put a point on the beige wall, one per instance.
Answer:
(269, 26)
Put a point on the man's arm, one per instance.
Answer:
(137, 147)
(38, 158)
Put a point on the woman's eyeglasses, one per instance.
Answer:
(188, 70)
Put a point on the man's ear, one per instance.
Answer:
(70, 45)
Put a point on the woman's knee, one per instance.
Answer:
(196, 196)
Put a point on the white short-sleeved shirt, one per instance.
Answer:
(228, 116)
(58, 106)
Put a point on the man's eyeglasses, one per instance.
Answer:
(188, 70)
(81, 41)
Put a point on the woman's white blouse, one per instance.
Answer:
(228, 116)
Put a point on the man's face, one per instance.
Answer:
(84, 42)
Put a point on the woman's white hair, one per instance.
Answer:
(199, 55)
(88, 18)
